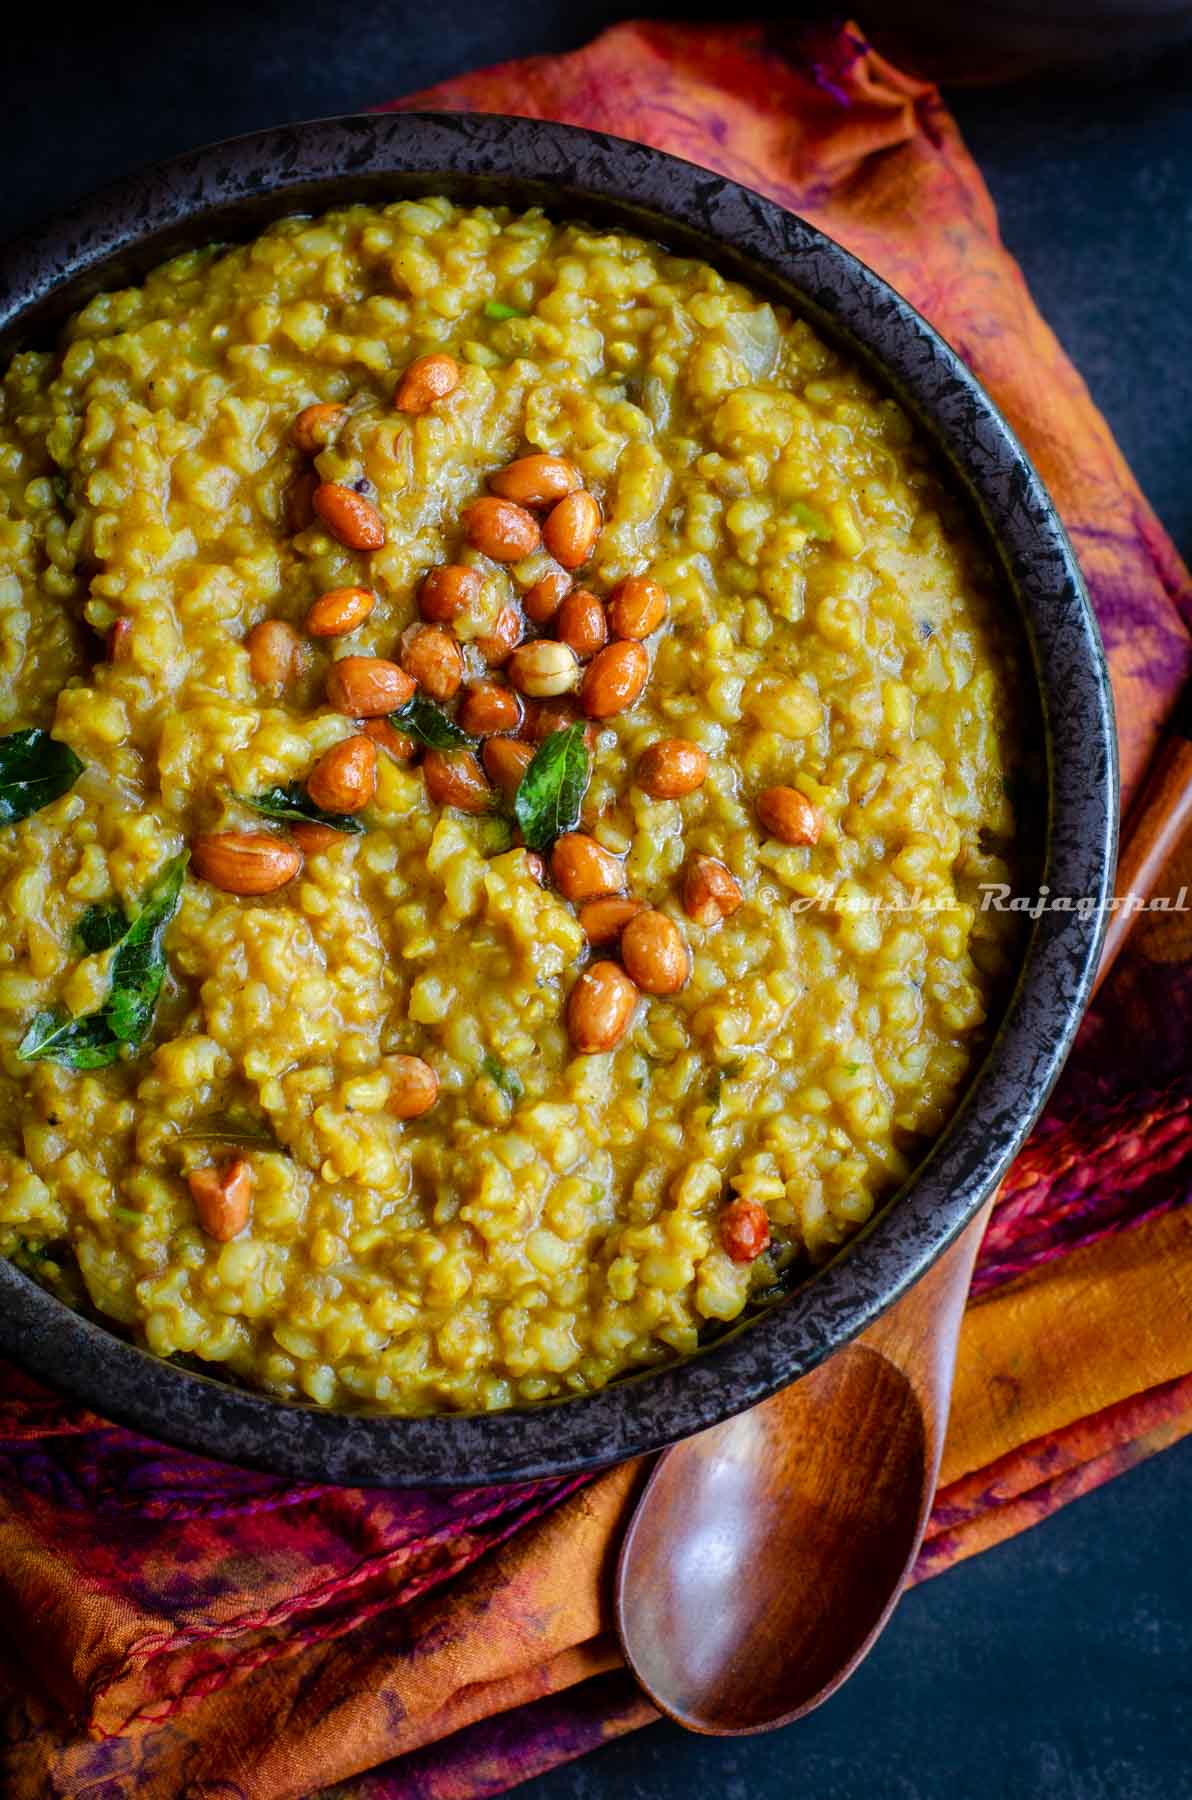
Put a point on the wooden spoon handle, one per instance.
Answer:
(919, 1333)
(1158, 819)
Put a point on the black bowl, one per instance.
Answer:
(230, 192)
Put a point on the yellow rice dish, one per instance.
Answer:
(504, 732)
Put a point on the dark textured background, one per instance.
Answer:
(1058, 1665)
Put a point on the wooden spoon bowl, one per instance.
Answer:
(773, 1593)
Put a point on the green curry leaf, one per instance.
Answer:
(293, 802)
(139, 965)
(138, 970)
(552, 789)
(427, 724)
(501, 309)
(101, 926)
(86, 1043)
(34, 770)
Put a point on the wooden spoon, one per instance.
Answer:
(766, 1555)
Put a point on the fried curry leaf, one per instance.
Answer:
(218, 1133)
(86, 1043)
(235, 1123)
(293, 802)
(34, 770)
(508, 1080)
(501, 309)
(427, 724)
(101, 926)
(139, 965)
(552, 789)
(138, 969)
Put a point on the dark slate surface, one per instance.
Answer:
(1058, 1664)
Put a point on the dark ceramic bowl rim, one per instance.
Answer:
(231, 190)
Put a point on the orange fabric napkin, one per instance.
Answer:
(188, 1630)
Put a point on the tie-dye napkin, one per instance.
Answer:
(179, 1630)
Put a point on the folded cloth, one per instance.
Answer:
(180, 1630)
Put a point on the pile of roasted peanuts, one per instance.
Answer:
(588, 663)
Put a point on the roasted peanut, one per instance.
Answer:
(489, 708)
(506, 760)
(336, 613)
(352, 520)
(455, 778)
(401, 747)
(433, 658)
(119, 641)
(614, 678)
(543, 600)
(789, 815)
(274, 652)
(636, 607)
(572, 527)
(365, 687)
(710, 892)
(345, 777)
(584, 869)
(244, 862)
(543, 669)
(428, 378)
(536, 867)
(670, 768)
(536, 480)
(497, 645)
(317, 426)
(222, 1198)
(413, 1086)
(604, 920)
(744, 1230)
(300, 497)
(500, 529)
(556, 715)
(654, 954)
(581, 624)
(599, 1008)
(311, 838)
(447, 591)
